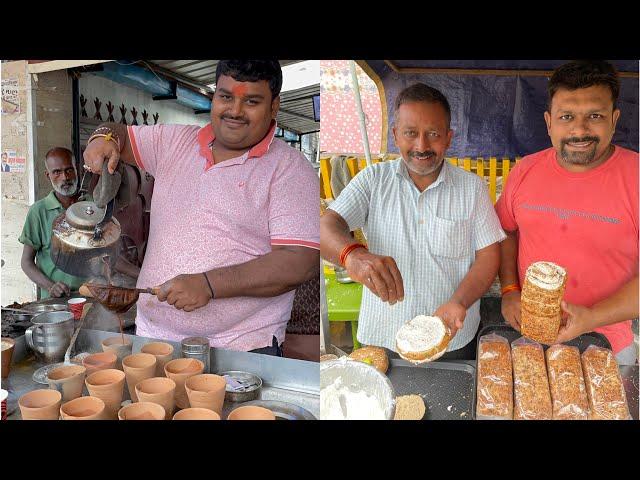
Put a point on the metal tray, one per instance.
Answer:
(447, 388)
(283, 410)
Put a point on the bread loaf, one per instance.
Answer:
(532, 400)
(566, 383)
(494, 392)
(542, 293)
(607, 398)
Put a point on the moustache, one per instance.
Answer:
(235, 119)
(580, 140)
(428, 153)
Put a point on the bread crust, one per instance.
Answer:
(427, 355)
(376, 355)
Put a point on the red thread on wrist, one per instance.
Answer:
(347, 250)
(510, 288)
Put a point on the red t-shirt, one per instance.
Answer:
(587, 222)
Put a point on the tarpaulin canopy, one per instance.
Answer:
(497, 106)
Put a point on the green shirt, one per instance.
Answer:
(37, 233)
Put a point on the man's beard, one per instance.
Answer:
(425, 170)
(579, 158)
(66, 189)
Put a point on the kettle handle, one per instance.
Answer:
(28, 336)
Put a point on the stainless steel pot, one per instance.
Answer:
(50, 335)
(26, 313)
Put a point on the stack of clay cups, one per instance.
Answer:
(158, 390)
(179, 370)
(108, 386)
(7, 353)
(251, 412)
(68, 380)
(84, 408)
(163, 353)
(142, 411)
(43, 404)
(196, 414)
(138, 367)
(99, 361)
(115, 345)
(206, 391)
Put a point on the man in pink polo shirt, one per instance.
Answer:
(576, 204)
(234, 215)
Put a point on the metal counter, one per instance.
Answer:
(284, 379)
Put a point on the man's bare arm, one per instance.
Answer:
(509, 259)
(335, 235)
(31, 270)
(509, 276)
(480, 276)
(99, 149)
(622, 305)
(275, 273)
(378, 273)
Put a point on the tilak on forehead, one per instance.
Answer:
(239, 90)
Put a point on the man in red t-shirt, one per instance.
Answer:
(576, 204)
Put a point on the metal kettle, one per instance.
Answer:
(81, 238)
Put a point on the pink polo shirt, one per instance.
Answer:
(206, 216)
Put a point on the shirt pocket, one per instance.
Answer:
(450, 238)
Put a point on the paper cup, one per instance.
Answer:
(76, 305)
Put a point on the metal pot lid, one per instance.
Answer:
(84, 215)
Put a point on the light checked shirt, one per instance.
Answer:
(432, 236)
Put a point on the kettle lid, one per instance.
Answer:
(84, 214)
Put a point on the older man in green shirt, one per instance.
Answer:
(36, 260)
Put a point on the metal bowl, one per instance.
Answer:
(22, 316)
(251, 392)
(359, 377)
(45, 307)
(283, 410)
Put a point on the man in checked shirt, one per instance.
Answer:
(432, 232)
